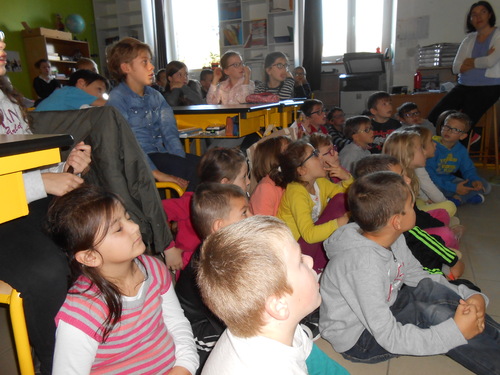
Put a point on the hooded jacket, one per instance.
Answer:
(362, 281)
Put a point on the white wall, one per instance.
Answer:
(424, 22)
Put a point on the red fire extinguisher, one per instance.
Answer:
(417, 81)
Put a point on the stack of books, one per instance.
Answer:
(437, 55)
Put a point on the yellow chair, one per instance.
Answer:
(168, 186)
(10, 296)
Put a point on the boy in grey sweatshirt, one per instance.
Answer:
(378, 302)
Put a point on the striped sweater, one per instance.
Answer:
(140, 341)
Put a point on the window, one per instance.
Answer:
(193, 31)
(355, 26)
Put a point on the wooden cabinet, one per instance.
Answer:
(61, 53)
(116, 19)
(255, 28)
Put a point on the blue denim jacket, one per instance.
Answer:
(151, 119)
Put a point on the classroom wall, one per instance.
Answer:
(424, 22)
(39, 13)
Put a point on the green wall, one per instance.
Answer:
(41, 13)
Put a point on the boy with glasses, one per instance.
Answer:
(359, 130)
(451, 157)
(409, 114)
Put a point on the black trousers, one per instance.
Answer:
(471, 100)
(31, 263)
(186, 168)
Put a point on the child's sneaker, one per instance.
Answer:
(476, 199)
(458, 231)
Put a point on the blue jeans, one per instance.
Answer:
(425, 305)
(466, 197)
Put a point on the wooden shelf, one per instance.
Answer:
(37, 47)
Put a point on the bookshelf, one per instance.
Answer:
(62, 54)
(116, 19)
(255, 28)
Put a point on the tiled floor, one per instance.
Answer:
(480, 247)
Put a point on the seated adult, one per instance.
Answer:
(477, 64)
(29, 261)
(85, 88)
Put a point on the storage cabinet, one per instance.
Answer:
(116, 19)
(255, 28)
(61, 53)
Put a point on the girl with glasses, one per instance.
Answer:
(231, 83)
(278, 79)
(180, 90)
(308, 206)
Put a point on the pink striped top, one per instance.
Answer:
(140, 342)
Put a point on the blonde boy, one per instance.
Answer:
(359, 130)
(367, 314)
(451, 157)
(253, 276)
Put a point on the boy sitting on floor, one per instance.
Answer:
(380, 106)
(367, 314)
(254, 277)
(451, 157)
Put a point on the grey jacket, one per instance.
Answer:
(118, 164)
(361, 282)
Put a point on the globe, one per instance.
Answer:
(75, 23)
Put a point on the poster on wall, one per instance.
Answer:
(13, 62)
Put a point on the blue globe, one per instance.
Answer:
(75, 23)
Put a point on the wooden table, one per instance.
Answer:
(17, 154)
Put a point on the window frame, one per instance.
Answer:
(388, 26)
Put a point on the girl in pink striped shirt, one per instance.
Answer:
(121, 315)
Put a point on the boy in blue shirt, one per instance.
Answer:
(451, 157)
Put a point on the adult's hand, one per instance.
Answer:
(79, 158)
(60, 183)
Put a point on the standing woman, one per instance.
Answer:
(478, 67)
(178, 90)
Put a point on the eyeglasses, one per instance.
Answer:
(453, 130)
(236, 65)
(2, 36)
(412, 114)
(323, 110)
(365, 130)
(281, 66)
(298, 74)
(180, 74)
(331, 151)
(315, 153)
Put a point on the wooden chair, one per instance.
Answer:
(489, 124)
(11, 297)
(169, 186)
